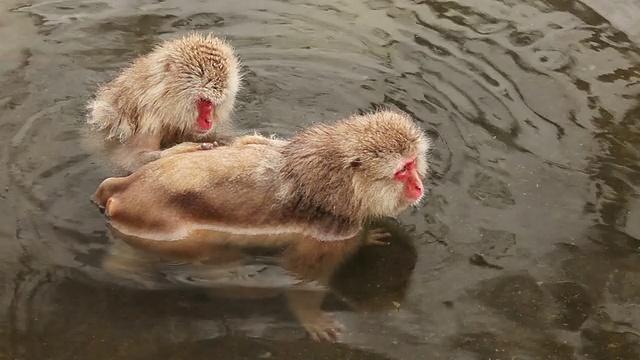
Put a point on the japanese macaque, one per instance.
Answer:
(165, 102)
(310, 195)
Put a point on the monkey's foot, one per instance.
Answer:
(95, 202)
(375, 234)
(322, 327)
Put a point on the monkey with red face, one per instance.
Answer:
(171, 100)
(310, 194)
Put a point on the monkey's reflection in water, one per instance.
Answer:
(371, 278)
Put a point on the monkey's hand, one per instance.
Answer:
(372, 236)
(186, 147)
(320, 326)
(305, 305)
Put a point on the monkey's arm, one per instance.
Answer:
(139, 150)
(312, 259)
(222, 138)
(306, 306)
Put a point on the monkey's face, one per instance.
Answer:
(407, 177)
(387, 186)
(212, 97)
(204, 100)
(206, 114)
(202, 78)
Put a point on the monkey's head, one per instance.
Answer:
(365, 166)
(201, 75)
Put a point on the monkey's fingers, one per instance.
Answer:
(207, 146)
(378, 242)
(374, 235)
(330, 335)
(324, 328)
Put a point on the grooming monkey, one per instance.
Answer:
(310, 195)
(177, 98)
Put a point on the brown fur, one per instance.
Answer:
(304, 195)
(266, 186)
(150, 105)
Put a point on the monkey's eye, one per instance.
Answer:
(402, 173)
(356, 163)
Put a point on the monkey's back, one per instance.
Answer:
(227, 187)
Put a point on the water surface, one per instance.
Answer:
(527, 246)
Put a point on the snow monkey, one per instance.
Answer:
(182, 93)
(310, 194)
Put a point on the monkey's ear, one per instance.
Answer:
(172, 67)
(356, 163)
(169, 66)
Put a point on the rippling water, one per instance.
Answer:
(526, 248)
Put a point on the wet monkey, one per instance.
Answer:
(310, 194)
(170, 100)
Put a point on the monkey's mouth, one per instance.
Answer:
(206, 113)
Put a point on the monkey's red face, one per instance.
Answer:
(206, 113)
(412, 184)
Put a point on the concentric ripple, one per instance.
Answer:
(527, 241)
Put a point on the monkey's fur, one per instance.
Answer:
(151, 105)
(310, 194)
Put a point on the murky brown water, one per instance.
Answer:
(527, 247)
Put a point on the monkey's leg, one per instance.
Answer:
(127, 263)
(108, 188)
